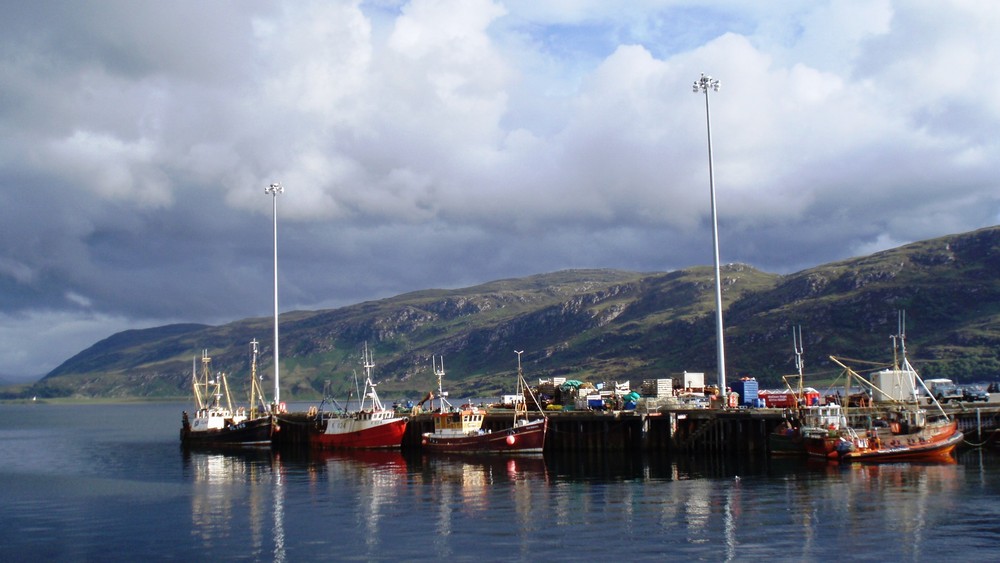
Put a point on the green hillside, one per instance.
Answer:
(596, 325)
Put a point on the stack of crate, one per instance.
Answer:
(657, 388)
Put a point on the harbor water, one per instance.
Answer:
(111, 483)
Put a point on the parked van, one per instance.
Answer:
(944, 390)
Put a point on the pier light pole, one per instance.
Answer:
(704, 85)
(274, 190)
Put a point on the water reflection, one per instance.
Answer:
(467, 488)
(869, 502)
(725, 506)
(376, 479)
(236, 488)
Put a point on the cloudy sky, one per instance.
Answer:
(445, 143)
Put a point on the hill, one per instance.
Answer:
(596, 325)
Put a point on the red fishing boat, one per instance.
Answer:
(902, 434)
(461, 431)
(372, 426)
(903, 431)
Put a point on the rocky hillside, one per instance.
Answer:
(596, 325)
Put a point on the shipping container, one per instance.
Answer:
(747, 390)
(784, 399)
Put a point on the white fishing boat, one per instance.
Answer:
(216, 422)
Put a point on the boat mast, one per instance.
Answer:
(521, 405)
(212, 385)
(368, 362)
(906, 367)
(254, 386)
(797, 344)
(225, 385)
(902, 338)
(197, 384)
(439, 372)
(274, 190)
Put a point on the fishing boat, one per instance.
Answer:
(786, 439)
(802, 409)
(461, 431)
(903, 431)
(216, 422)
(372, 426)
(906, 435)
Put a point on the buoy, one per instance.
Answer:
(510, 440)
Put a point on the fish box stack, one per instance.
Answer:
(657, 388)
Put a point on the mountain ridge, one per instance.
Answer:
(593, 324)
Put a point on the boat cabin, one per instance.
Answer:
(216, 418)
(461, 423)
(825, 417)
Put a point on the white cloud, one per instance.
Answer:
(441, 143)
(111, 168)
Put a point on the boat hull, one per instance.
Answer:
(931, 451)
(930, 444)
(389, 434)
(787, 443)
(256, 432)
(529, 438)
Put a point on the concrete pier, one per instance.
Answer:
(692, 431)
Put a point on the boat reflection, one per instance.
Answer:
(247, 487)
(902, 495)
(704, 497)
(468, 486)
(237, 488)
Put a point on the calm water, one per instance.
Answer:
(111, 482)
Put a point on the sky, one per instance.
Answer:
(446, 143)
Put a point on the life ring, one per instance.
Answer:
(313, 410)
(282, 408)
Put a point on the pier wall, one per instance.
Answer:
(743, 430)
(693, 431)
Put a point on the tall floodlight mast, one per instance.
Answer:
(274, 190)
(704, 85)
